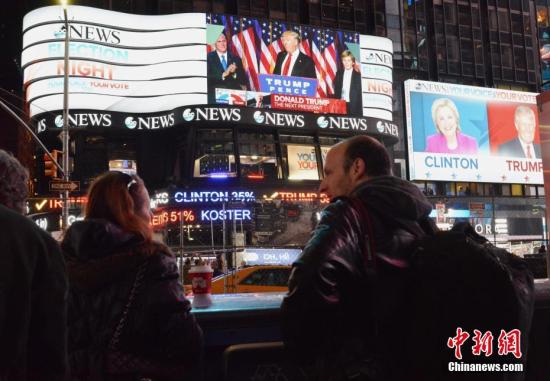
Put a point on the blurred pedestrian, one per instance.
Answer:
(128, 316)
(542, 249)
(33, 287)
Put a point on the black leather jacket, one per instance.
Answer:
(102, 262)
(327, 316)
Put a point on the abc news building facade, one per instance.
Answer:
(236, 160)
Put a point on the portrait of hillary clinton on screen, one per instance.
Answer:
(449, 138)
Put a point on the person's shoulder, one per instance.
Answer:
(16, 222)
(160, 259)
(509, 145)
(211, 55)
(305, 56)
(16, 225)
(335, 212)
(434, 138)
(468, 138)
(232, 56)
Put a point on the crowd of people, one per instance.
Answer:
(108, 304)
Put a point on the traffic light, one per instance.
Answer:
(50, 169)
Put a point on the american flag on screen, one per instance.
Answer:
(330, 54)
(317, 47)
(257, 43)
(271, 44)
(244, 43)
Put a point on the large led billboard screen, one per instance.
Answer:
(474, 134)
(127, 66)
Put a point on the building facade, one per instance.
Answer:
(493, 43)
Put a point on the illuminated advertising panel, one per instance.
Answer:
(138, 66)
(476, 134)
(302, 162)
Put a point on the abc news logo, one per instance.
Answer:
(78, 120)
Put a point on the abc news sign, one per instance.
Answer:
(182, 116)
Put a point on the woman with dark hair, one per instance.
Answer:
(128, 316)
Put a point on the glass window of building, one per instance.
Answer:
(517, 190)
(531, 190)
(214, 155)
(431, 188)
(258, 158)
(299, 157)
(505, 190)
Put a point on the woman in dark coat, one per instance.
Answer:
(104, 253)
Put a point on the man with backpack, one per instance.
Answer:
(358, 306)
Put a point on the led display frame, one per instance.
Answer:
(472, 134)
(123, 63)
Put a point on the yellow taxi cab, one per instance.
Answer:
(264, 278)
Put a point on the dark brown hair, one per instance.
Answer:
(117, 197)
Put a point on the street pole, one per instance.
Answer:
(65, 132)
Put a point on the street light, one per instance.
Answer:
(65, 132)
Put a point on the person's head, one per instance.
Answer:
(221, 44)
(123, 200)
(291, 40)
(352, 162)
(525, 122)
(13, 182)
(445, 117)
(348, 60)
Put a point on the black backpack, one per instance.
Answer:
(454, 279)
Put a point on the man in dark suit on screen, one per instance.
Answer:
(293, 62)
(523, 146)
(225, 70)
(347, 85)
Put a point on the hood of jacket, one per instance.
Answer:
(393, 198)
(94, 239)
(99, 252)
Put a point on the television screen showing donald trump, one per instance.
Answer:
(151, 72)
(474, 134)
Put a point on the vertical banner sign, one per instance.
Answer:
(544, 107)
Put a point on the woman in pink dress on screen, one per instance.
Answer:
(449, 138)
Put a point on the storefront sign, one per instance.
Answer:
(183, 116)
(171, 217)
(302, 162)
(301, 196)
(308, 104)
(36, 205)
(278, 84)
(51, 221)
(255, 257)
(213, 196)
(225, 215)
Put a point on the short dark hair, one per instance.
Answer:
(371, 151)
